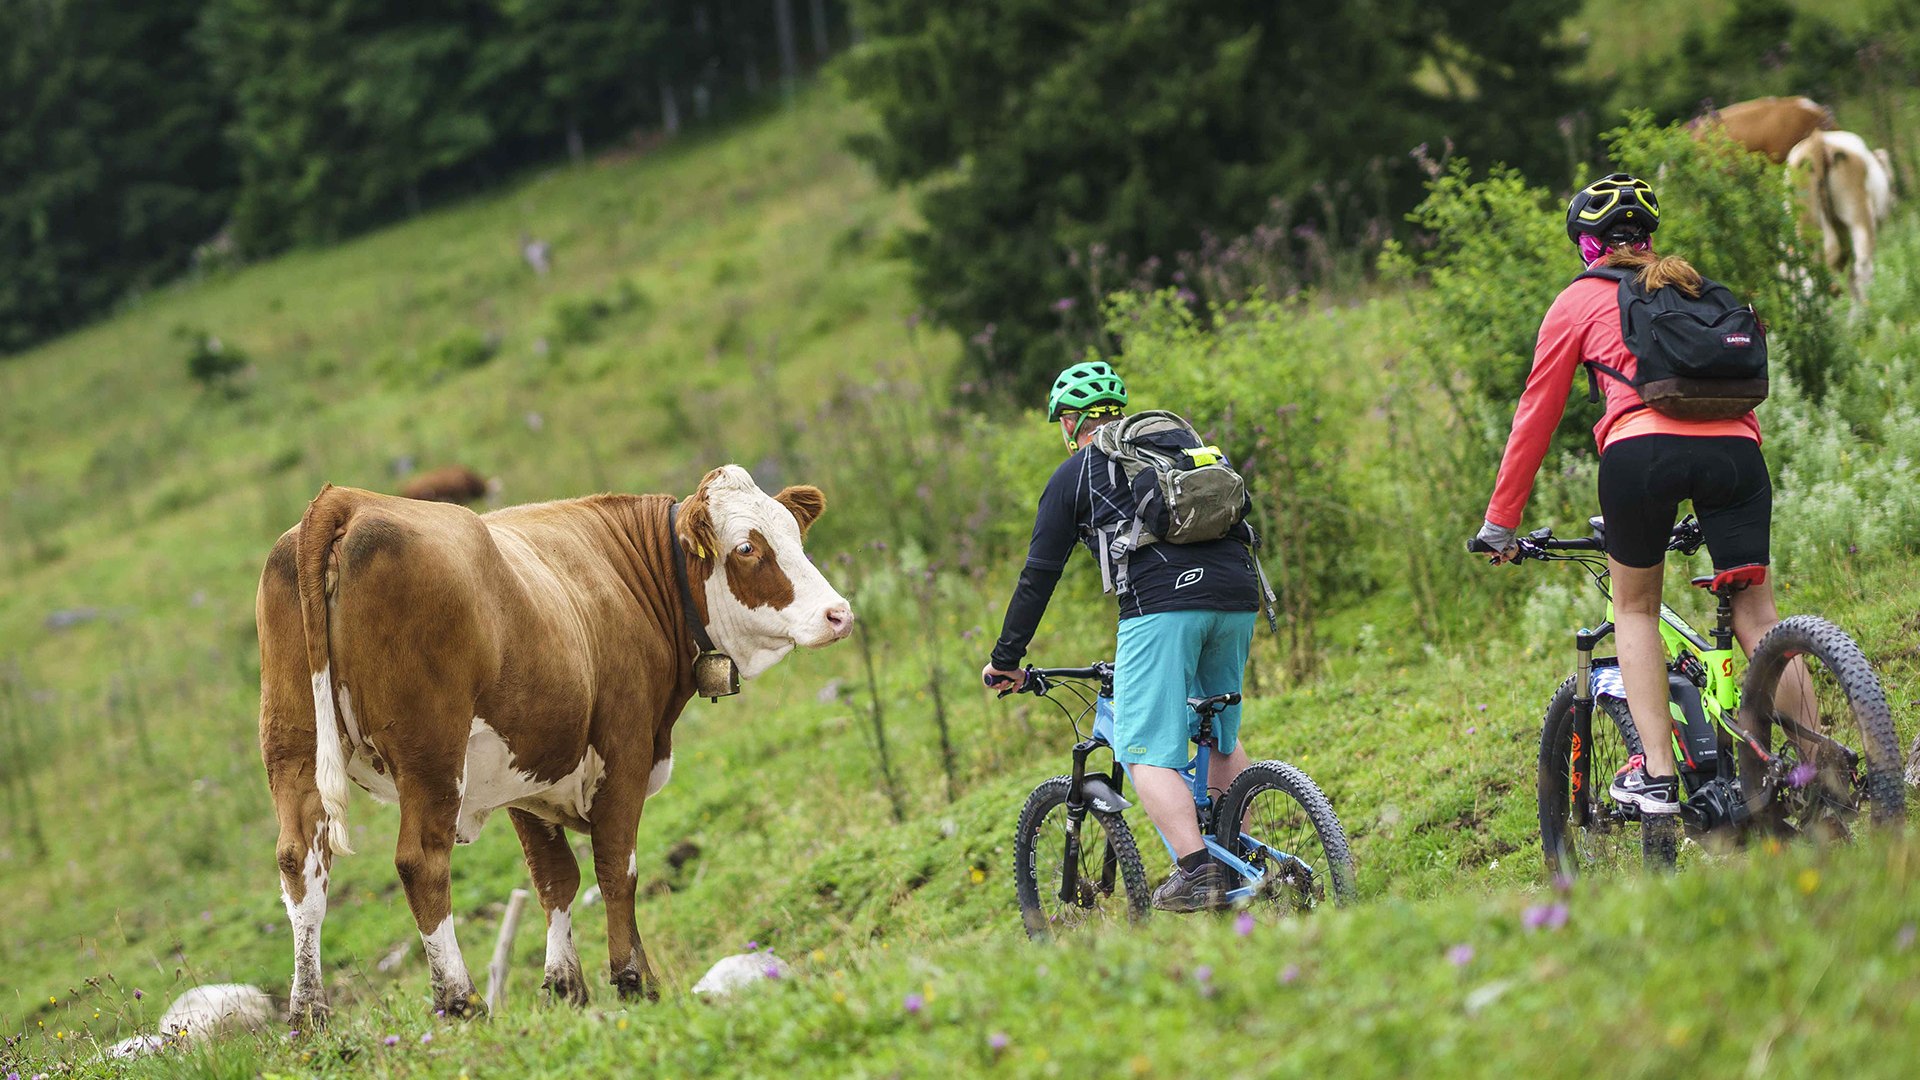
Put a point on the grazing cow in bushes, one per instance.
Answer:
(449, 484)
(532, 659)
(1848, 189)
(1770, 125)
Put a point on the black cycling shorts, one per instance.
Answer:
(1644, 478)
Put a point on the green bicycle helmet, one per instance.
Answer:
(1082, 386)
(1615, 208)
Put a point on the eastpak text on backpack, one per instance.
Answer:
(1699, 358)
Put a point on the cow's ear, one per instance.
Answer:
(695, 523)
(807, 503)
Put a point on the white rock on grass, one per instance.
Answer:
(217, 1009)
(136, 1046)
(735, 973)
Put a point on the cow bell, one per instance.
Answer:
(715, 676)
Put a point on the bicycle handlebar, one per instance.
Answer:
(1686, 539)
(1039, 679)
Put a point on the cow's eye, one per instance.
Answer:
(746, 549)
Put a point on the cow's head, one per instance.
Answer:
(763, 595)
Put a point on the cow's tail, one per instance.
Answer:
(322, 522)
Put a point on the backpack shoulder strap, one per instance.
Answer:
(1626, 279)
(1611, 273)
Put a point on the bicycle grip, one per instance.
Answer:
(1477, 546)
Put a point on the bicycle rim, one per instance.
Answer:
(1584, 831)
(1837, 762)
(1299, 845)
(1110, 884)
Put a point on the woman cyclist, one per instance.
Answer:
(1649, 464)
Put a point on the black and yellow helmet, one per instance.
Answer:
(1615, 208)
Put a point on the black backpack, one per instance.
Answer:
(1700, 358)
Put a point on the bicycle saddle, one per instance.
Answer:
(1599, 527)
(1735, 579)
(1210, 706)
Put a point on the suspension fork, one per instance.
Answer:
(1077, 813)
(1110, 864)
(1580, 759)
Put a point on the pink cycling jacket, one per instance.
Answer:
(1582, 324)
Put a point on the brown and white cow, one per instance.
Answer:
(1768, 125)
(1848, 190)
(532, 659)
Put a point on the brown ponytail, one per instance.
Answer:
(1657, 271)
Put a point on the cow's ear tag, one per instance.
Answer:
(715, 676)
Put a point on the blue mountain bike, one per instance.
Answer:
(1272, 827)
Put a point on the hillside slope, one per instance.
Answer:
(681, 329)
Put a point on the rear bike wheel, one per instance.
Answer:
(1584, 830)
(1300, 845)
(1821, 780)
(1110, 881)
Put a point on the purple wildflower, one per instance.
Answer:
(1244, 924)
(998, 1041)
(1460, 955)
(1202, 973)
(427, 1038)
(773, 971)
(1471, 729)
(137, 995)
(1289, 973)
(1802, 774)
(913, 1003)
(1904, 939)
(753, 946)
(1064, 304)
(1481, 708)
(1544, 917)
(1563, 883)
(391, 1040)
(1186, 295)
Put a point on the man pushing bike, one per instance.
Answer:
(1164, 516)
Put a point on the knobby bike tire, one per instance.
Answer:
(1112, 832)
(1810, 635)
(1279, 776)
(1553, 788)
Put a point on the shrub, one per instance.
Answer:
(213, 363)
(462, 350)
(1248, 385)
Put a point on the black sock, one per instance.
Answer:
(1192, 863)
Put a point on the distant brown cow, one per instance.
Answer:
(449, 484)
(1769, 125)
(534, 660)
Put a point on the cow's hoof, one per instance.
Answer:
(633, 984)
(566, 985)
(308, 1014)
(460, 1006)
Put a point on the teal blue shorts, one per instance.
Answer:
(1164, 659)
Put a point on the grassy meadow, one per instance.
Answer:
(730, 298)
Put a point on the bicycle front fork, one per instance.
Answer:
(1076, 815)
(1580, 762)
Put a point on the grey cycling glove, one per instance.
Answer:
(1497, 537)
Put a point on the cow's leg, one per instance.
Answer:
(305, 862)
(429, 811)
(287, 751)
(556, 877)
(616, 822)
(1860, 234)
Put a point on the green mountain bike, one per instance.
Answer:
(1819, 782)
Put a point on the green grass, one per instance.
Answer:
(706, 300)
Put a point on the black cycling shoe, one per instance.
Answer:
(1204, 889)
(1647, 794)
